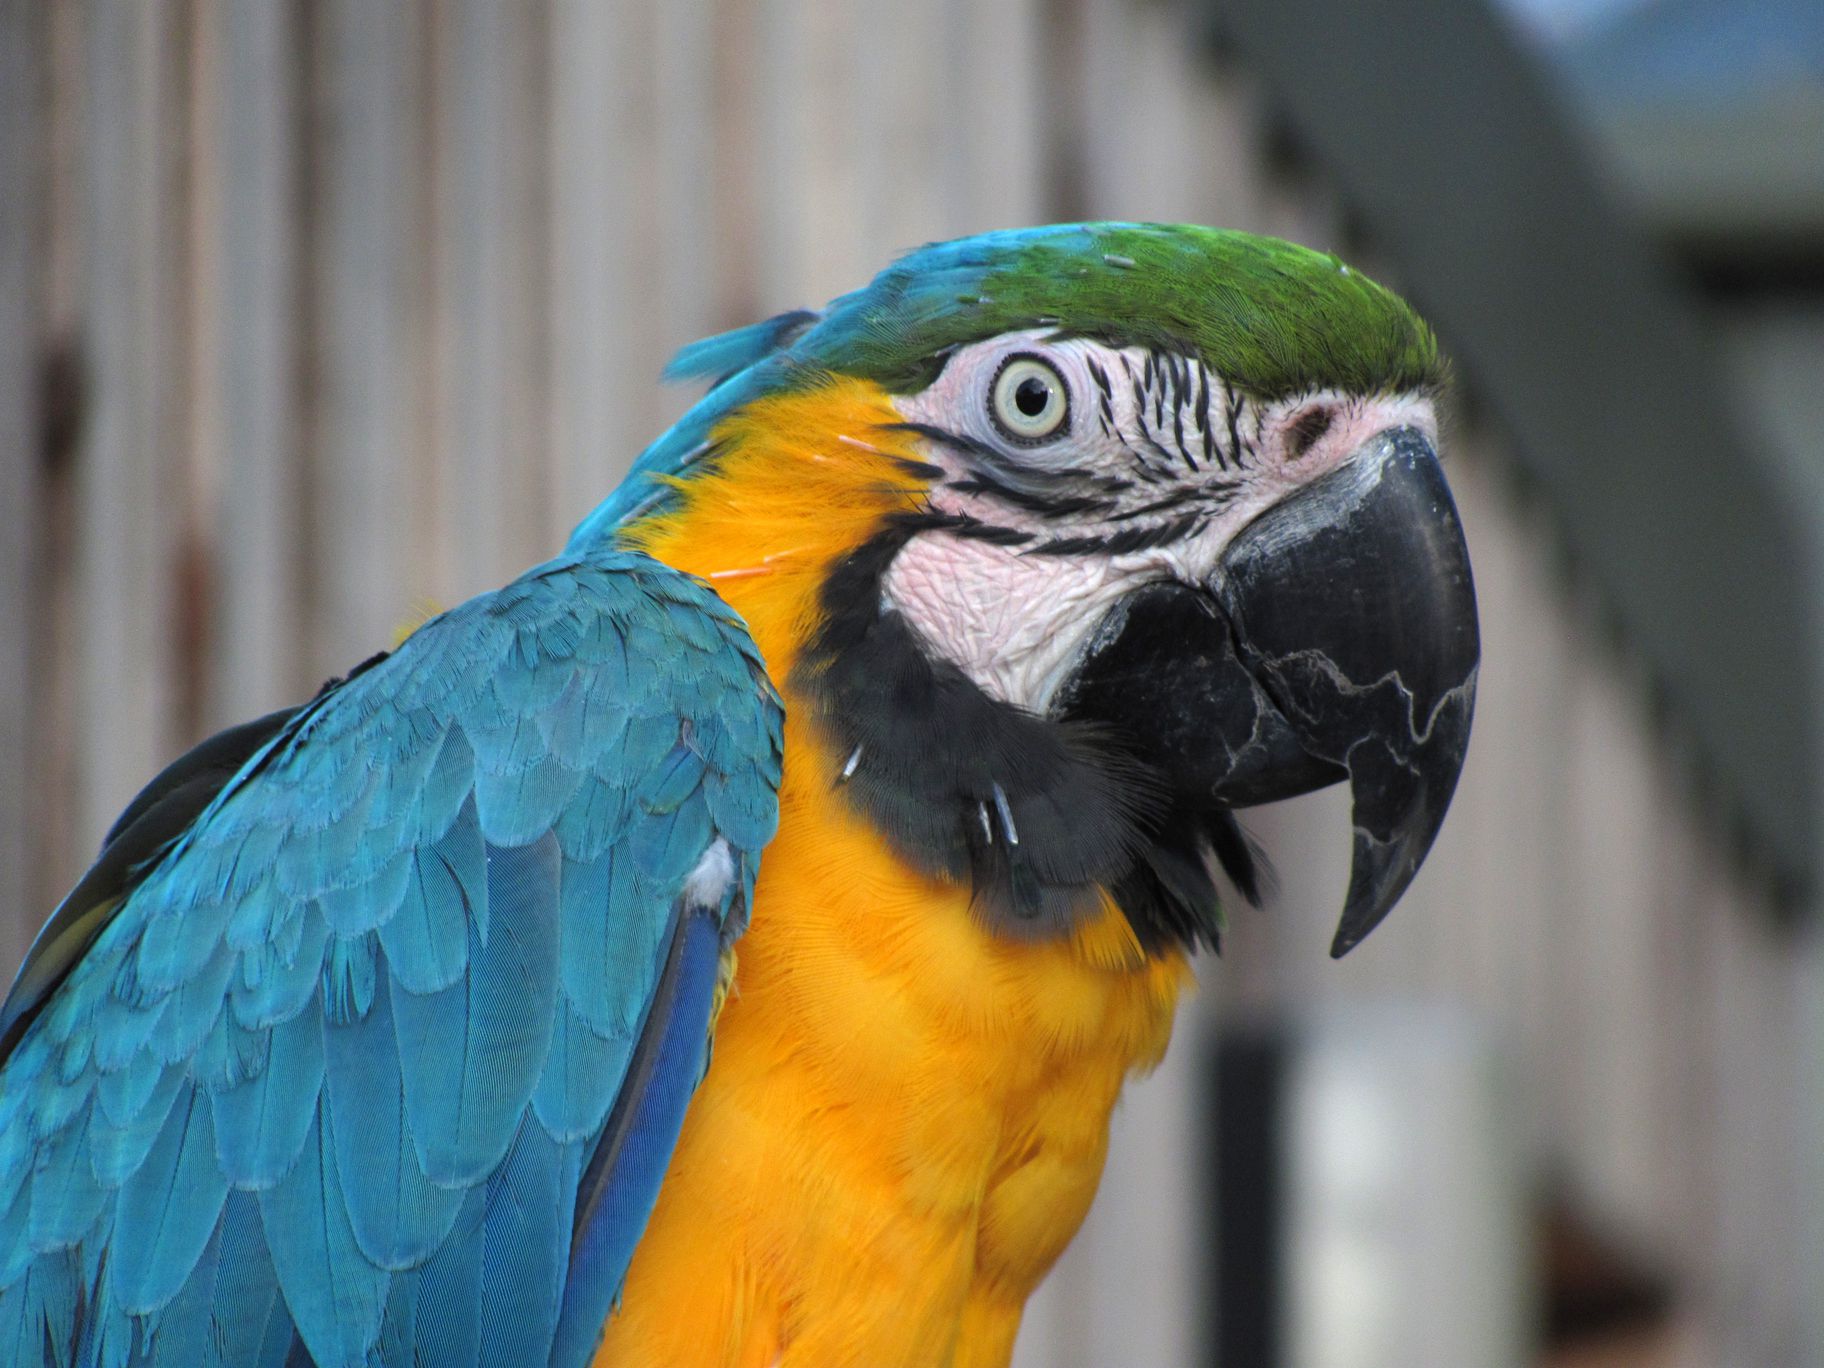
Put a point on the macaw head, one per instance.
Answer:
(1140, 524)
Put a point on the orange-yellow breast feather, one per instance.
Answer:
(906, 1117)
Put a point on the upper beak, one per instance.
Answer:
(1336, 639)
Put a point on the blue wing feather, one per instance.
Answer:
(250, 1324)
(714, 358)
(358, 1040)
(471, 1054)
(398, 1215)
(231, 1054)
(580, 1078)
(136, 1100)
(335, 1294)
(168, 1208)
(42, 1298)
(524, 1253)
(260, 1125)
(620, 950)
(66, 1196)
(427, 940)
(184, 1329)
(449, 1290)
(667, 844)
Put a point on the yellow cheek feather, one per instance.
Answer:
(906, 1117)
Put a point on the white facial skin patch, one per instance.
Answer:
(997, 614)
(1153, 471)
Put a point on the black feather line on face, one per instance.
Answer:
(1204, 426)
(1231, 405)
(960, 442)
(1126, 541)
(1040, 814)
(1063, 506)
(1181, 388)
(1106, 395)
(963, 525)
(1215, 494)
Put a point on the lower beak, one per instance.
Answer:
(1337, 639)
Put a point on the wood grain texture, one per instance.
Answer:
(250, 347)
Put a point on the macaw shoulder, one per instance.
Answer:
(582, 669)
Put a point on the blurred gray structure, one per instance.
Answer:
(312, 315)
(1712, 112)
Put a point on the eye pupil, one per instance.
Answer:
(1032, 396)
(1029, 400)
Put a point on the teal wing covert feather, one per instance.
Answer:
(381, 1057)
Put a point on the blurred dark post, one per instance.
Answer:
(1248, 1196)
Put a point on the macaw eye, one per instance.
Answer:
(1029, 401)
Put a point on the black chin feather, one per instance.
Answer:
(1040, 814)
(1240, 856)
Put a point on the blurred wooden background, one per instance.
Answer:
(314, 314)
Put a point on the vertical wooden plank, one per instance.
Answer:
(736, 169)
(490, 433)
(1142, 118)
(1752, 1293)
(1808, 1169)
(991, 81)
(368, 362)
(1790, 1287)
(684, 73)
(1116, 132)
(810, 244)
(24, 58)
(247, 387)
(1222, 160)
(675, 241)
(597, 372)
(125, 464)
(906, 127)
(1611, 850)
(1481, 919)
(1513, 885)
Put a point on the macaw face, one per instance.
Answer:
(1106, 469)
(1253, 597)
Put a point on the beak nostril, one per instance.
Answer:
(1308, 429)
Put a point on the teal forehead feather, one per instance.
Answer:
(1271, 317)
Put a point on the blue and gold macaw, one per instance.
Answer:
(934, 649)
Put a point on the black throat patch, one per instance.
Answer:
(1039, 813)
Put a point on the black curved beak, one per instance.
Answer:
(1338, 639)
